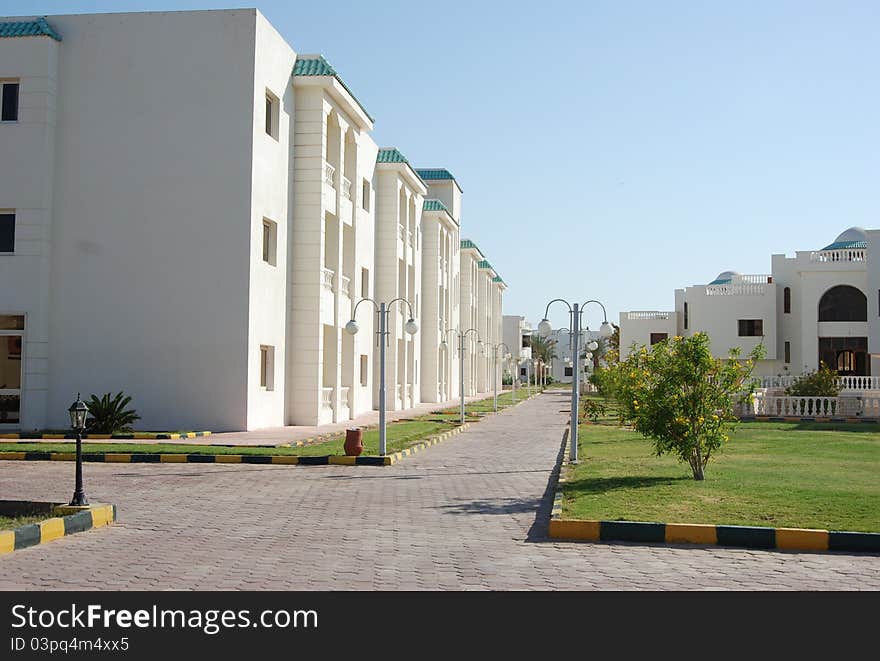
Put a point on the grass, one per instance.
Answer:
(11, 522)
(801, 475)
(400, 435)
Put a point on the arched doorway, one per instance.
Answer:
(847, 355)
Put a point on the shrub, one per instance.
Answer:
(818, 383)
(108, 415)
(594, 409)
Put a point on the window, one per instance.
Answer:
(11, 343)
(846, 361)
(267, 367)
(788, 352)
(685, 315)
(365, 283)
(7, 231)
(270, 240)
(751, 327)
(843, 303)
(365, 196)
(9, 112)
(271, 114)
(658, 337)
(363, 370)
(786, 300)
(569, 371)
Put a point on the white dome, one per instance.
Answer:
(852, 234)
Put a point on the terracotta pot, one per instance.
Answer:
(354, 442)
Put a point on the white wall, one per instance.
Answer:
(150, 269)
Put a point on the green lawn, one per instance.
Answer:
(802, 475)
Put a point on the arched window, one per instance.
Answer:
(786, 300)
(843, 303)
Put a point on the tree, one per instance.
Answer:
(543, 349)
(108, 415)
(683, 398)
(818, 383)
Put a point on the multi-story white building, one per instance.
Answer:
(517, 334)
(192, 220)
(400, 195)
(818, 306)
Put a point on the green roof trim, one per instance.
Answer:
(434, 205)
(318, 66)
(435, 174)
(498, 279)
(467, 244)
(484, 264)
(36, 28)
(843, 245)
(391, 155)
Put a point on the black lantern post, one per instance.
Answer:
(78, 412)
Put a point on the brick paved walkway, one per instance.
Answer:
(470, 513)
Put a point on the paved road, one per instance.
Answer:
(470, 513)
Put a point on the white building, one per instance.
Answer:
(517, 334)
(562, 366)
(820, 305)
(191, 214)
(400, 195)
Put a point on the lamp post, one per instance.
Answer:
(462, 336)
(576, 312)
(411, 327)
(495, 349)
(78, 412)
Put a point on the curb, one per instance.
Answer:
(73, 520)
(139, 436)
(285, 460)
(793, 418)
(751, 537)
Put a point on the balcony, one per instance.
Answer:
(347, 188)
(857, 255)
(648, 314)
(345, 285)
(329, 175)
(736, 290)
(327, 399)
(327, 278)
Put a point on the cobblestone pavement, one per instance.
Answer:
(470, 513)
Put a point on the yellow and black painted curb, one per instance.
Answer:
(71, 520)
(770, 418)
(139, 436)
(752, 537)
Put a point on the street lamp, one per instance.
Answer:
(78, 412)
(495, 349)
(461, 338)
(411, 327)
(605, 330)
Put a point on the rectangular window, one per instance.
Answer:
(365, 283)
(270, 240)
(569, 371)
(271, 114)
(9, 112)
(267, 367)
(11, 343)
(685, 315)
(751, 327)
(788, 352)
(7, 231)
(365, 197)
(363, 370)
(658, 337)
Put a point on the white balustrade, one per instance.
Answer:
(343, 396)
(813, 407)
(346, 187)
(345, 285)
(846, 383)
(745, 289)
(648, 314)
(858, 255)
(400, 392)
(409, 237)
(327, 278)
(329, 174)
(327, 398)
(752, 279)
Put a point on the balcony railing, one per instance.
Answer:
(859, 255)
(736, 290)
(400, 392)
(646, 314)
(401, 233)
(346, 187)
(327, 398)
(327, 278)
(345, 285)
(409, 237)
(329, 174)
(343, 396)
(845, 383)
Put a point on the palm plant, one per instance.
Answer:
(543, 349)
(109, 415)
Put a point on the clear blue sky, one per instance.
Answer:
(616, 149)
